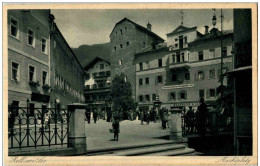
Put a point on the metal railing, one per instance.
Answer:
(215, 124)
(33, 127)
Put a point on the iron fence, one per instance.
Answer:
(215, 123)
(33, 127)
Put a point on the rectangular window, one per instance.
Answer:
(121, 31)
(44, 77)
(224, 51)
(147, 80)
(185, 40)
(212, 73)
(94, 86)
(108, 73)
(141, 66)
(172, 96)
(121, 45)
(201, 93)
(15, 71)
(147, 66)
(159, 62)
(173, 77)
(101, 66)
(183, 95)
(147, 98)
(212, 53)
(159, 79)
(187, 76)
(200, 75)
(212, 93)
(87, 76)
(140, 81)
(182, 57)
(125, 28)
(143, 44)
(140, 98)
(88, 87)
(176, 45)
(200, 55)
(115, 48)
(154, 97)
(14, 27)
(32, 73)
(176, 39)
(178, 57)
(30, 37)
(94, 74)
(127, 43)
(44, 45)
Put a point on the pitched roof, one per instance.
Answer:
(213, 34)
(95, 60)
(139, 27)
(181, 28)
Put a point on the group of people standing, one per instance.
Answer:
(197, 121)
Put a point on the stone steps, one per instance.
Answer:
(167, 148)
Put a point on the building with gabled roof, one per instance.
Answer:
(126, 39)
(97, 85)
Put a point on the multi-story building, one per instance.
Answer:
(42, 67)
(126, 39)
(67, 74)
(28, 58)
(97, 84)
(187, 69)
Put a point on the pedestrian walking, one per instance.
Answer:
(142, 116)
(189, 119)
(47, 119)
(202, 115)
(116, 126)
(88, 115)
(164, 119)
(147, 117)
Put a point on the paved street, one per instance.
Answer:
(131, 132)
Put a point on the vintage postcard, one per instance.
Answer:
(130, 84)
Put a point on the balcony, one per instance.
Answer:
(180, 65)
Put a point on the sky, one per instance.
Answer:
(93, 26)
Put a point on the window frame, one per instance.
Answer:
(46, 45)
(33, 44)
(160, 62)
(158, 79)
(34, 75)
(210, 90)
(46, 79)
(185, 95)
(202, 76)
(140, 81)
(17, 27)
(147, 95)
(101, 68)
(147, 81)
(18, 71)
(214, 73)
(141, 67)
(200, 90)
(140, 97)
(200, 55)
(174, 96)
(120, 62)
(188, 76)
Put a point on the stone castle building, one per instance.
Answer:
(126, 39)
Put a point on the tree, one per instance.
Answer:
(121, 96)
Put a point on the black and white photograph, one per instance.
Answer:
(152, 82)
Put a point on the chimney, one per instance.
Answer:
(206, 29)
(149, 26)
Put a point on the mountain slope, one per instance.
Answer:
(85, 53)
